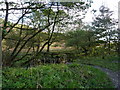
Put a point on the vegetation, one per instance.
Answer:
(110, 62)
(49, 46)
(80, 39)
(55, 76)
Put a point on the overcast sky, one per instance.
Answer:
(112, 4)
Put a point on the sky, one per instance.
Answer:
(112, 4)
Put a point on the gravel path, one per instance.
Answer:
(114, 76)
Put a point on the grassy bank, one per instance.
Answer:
(55, 76)
(110, 61)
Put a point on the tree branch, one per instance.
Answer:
(6, 17)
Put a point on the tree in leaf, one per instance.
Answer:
(38, 17)
(81, 40)
(104, 27)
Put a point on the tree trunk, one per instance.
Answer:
(0, 48)
(48, 47)
(85, 51)
(109, 47)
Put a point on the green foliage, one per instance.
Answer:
(47, 12)
(80, 39)
(83, 5)
(31, 35)
(4, 32)
(0, 77)
(110, 61)
(55, 76)
(104, 24)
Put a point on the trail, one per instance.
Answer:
(114, 76)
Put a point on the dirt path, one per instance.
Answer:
(114, 76)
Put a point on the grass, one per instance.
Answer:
(56, 76)
(108, 62)
(0, 77)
